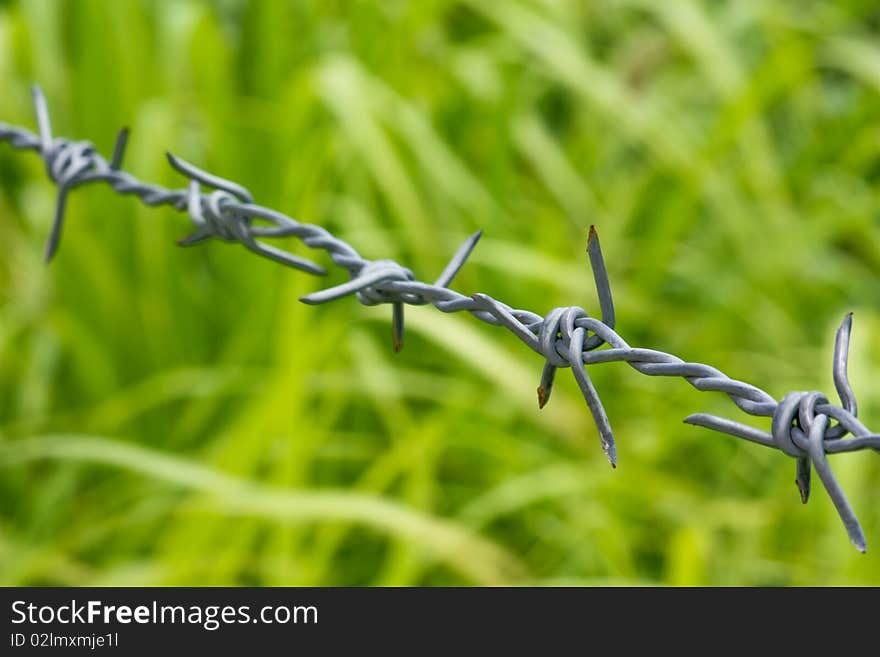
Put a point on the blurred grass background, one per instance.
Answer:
(172, 416)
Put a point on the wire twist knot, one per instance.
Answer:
(794, 418)
(228, 213)
(800, 429)
(384, 271)
(214, 214)
(556, 333)
(68, 161)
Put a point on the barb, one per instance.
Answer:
(565, 337)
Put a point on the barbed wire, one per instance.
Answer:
(565, 337)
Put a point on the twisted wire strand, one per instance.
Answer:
(564, 337)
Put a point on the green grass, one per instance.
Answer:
(174, 416)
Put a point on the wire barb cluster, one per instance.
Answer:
(565, 337)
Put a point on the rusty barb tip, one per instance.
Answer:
(542, 397)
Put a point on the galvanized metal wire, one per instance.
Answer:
(801, 422)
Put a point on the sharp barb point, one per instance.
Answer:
(802, 478)
(193, 239)
(397, 327)
(542, 397)
(458, 260)
(858, 540)
(600, 278)
(548, 376)
(119, 148)
(839, 369)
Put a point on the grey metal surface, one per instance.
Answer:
(564, 337)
